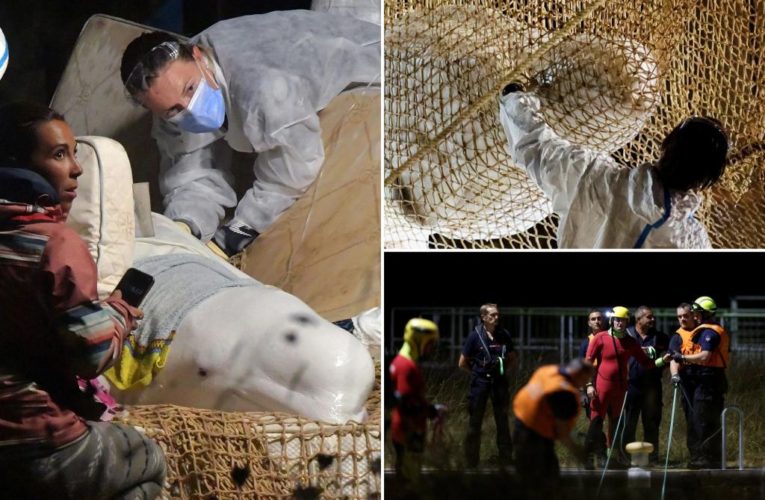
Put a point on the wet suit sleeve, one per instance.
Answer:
(410, 401)
(594, 348)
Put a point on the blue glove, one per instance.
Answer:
(678, 357)
(234, 237)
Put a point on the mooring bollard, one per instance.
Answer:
(637, 475)
(740, 413)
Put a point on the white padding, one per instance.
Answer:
(366, 10)
(102, 214)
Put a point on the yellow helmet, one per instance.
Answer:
(620, 312)
(420, 332)
(705, 305)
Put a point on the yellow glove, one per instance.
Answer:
(217, 250)
(210, 244)
(184, 227)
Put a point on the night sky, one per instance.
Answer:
(569, 279)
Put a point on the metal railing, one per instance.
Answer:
(558, 332)
(740, 414)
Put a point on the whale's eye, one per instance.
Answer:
(303, 319)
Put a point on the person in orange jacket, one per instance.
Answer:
(705, 354)
(546, 409)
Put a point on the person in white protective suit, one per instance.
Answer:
(257, 82)
(602, 204)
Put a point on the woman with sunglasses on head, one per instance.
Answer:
(54, 330)
(257, 82)
(601, 204)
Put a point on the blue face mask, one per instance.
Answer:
(206, 110)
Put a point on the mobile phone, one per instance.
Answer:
(134, 286)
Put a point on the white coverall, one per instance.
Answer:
(276, 71)
(600, 203)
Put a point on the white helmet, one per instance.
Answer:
(3, 54)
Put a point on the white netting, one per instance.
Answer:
(614, 76)
(216, 454)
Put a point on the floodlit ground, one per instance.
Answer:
(449, 386)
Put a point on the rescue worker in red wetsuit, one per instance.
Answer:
(546, 409)
(412, 410)
(611, 349)
(705, 354)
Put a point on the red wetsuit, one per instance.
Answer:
(612, 355)
(409, 416)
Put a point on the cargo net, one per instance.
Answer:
(613, 76)
(215, 454)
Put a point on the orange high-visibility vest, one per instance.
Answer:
(530, 404)
(688, 346)
(720, 357)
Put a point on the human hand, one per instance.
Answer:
(441, 410)
(133, 311)
(234, 237)
(217, 250)
(678, 357)
(591, 392)
(184, 227)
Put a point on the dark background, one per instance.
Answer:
(569, 279)
(42, 33)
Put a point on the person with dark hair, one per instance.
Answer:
(489, 356)
(595, 323)
(602, 204)
(682, 375)
(54, 329)
(644, 398)
(545, 410)
(257, 82)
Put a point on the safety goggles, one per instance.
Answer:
(137, 82)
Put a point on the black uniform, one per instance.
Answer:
(644, 393)
(703, 403)
(489, 379)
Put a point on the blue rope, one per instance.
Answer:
(4, 57)
(669, 442)
(656, 225)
